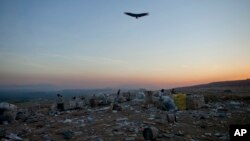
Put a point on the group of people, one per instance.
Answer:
(161, 96)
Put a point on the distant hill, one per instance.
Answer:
(31, 94)
(235, 86)
(234, 83)
(29, 88)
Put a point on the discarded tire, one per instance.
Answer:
(150, 133)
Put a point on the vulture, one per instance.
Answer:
(136, 15)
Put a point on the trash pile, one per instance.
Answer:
(127, 116)
(7, 112)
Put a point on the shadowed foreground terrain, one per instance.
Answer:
(42, 121)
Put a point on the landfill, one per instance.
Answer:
(122, 117)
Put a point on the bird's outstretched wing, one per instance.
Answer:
(142, 14)
(136, 15)
(130, 14)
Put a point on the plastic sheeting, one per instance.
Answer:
(180, 101)
(168, 103)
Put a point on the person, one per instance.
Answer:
(117, 96)
(168, 104)
(105, 100)
(118, 92)
(128, 96)
(60, 102)
(173, 91)
(161, 93)
(92, 101)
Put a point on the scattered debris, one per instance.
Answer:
(13, 136)
(195, 102)
(171, 117)
(129, 120)
(7, 112)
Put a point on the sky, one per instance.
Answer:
(93, 44)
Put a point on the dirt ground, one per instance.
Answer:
(209, 123)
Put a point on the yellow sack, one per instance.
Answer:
(180, 101)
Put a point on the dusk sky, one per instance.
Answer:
(92, 44)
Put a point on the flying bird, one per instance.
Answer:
(136, 15)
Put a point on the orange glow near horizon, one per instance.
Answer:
(193, 43)
(149, 80)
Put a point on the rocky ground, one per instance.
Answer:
(211, 122)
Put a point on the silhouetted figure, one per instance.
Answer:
(92, 101)
(58, 95)
(118, 92)
(117, 96)
(129, 96)
(173, 91)
(161, 94)
(82, 98)
(60, 102)
(136, 15)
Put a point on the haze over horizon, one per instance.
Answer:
(92, 44)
